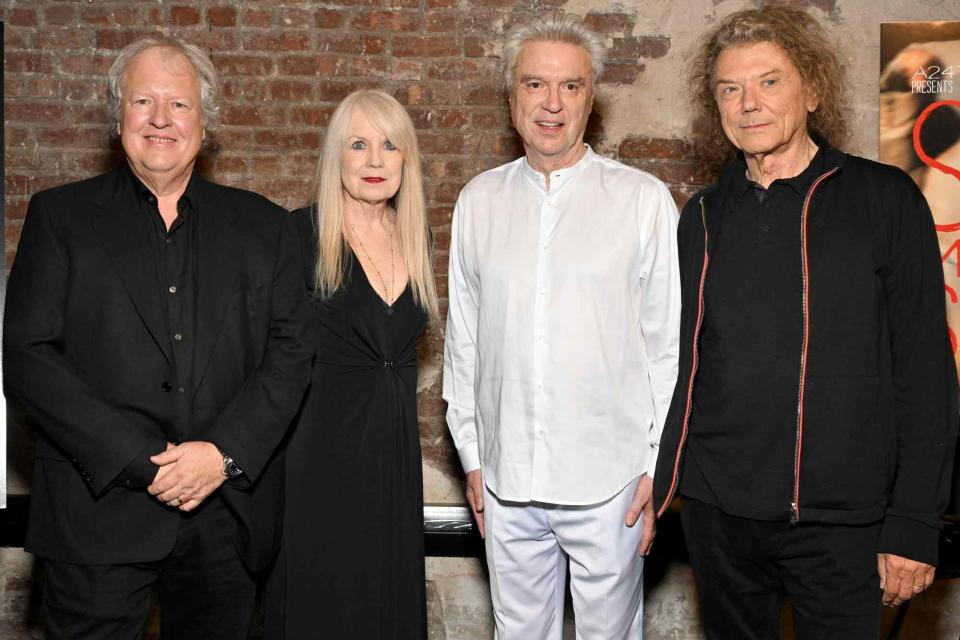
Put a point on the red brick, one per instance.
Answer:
(442, 4)
(322, 65)
(441, 143)
(63, 39)
(241, 116)
(644, 148)
(386, 21)
(15, 210)
(295, 18)
(22, 61)
(486, 95)
(352, 43)
(460, 70)
(222, 16)
(282, 41)
(622, 73)
(337, 90)
(369, 66)
(406, 69)
(97, 137)
(257, 18)
(327, 18)
(676, 172)
(287, 140)
(653, 46)
(311, 116)
(426, 46)
(16, 39)
(116, 40)
(244, 90)
(89, 64)
(225, 163)
(22, 17)
(266, 165)
(85, 113)
(130, 16)
(610, 22)
(422, 117)
(216, 39)
(446, 192)
(60, 14)
(33, 112)
(441, 21)
(473, 47)
(290, 90)
(439, 216)
(184, 16)
(243, 65)
(453, 119)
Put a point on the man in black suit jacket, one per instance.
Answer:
(155, 335)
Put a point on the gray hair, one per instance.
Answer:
(199, 61)
(556, 27)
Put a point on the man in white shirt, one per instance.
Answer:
(561, 350)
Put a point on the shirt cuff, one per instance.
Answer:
(469, 458)
(910, 539)
(652, 460)
(139, 474)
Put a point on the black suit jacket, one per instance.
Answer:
(86, 353)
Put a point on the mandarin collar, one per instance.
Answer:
(559, 177)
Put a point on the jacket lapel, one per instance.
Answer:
(219, 252)
(125, 239)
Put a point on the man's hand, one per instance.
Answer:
(475, 498)
(902, 578)
(196, 471)
(164, 469)
(643, 503)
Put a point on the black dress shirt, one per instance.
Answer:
(742, 433)
(174, 253)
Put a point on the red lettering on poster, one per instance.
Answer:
(950, 227)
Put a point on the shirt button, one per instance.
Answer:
(180, 389)
(540, 434)
(168, 240)
(172, 289)
(542, 292)
(166, 387)
(178, 337)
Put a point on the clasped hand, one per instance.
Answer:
(189, 472)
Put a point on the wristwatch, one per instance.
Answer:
(230, 469)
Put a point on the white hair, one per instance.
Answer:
(556, 27)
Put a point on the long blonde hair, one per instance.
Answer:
(412, 228)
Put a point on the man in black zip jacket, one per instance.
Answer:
(813, 425)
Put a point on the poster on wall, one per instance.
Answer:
(920, 131)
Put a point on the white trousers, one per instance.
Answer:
(528, 546)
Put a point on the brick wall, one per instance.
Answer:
(284, 67)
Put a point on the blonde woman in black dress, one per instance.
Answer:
(351, 560)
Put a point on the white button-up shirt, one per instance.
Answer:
(562, 335)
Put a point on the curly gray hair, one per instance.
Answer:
(199, 61)
(556, 27)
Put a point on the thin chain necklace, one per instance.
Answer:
(388, 297)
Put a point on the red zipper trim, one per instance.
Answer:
(798, 450)
(693, 368)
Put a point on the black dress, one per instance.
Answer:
(351, 560)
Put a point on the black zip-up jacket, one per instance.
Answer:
(877, 401)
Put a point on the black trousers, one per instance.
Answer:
(744, 568)
(204, 589)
